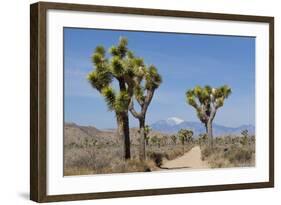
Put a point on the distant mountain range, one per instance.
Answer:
(174, 124)
(78, 134)
(74, 133)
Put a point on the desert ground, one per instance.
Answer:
(88, 150)
(190, 160)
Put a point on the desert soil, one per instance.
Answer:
(190, 160)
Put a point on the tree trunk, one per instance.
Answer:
(182, 143)
(146, 141)
(124, 133)
(206, 127)
(204, 139)
(210, 133)
(142, 139)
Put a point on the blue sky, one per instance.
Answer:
(183, 60)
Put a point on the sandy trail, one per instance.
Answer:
(191, 159)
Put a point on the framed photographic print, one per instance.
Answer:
(134, 102)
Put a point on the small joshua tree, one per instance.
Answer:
(155, 140)
(147, 130)
(181, 136)
(245, 134)
(174, 139)
(202, 138)
(184, 135)
(164, 140)
(117, 68)
(189, 135)
(206, 101)
(146, 81)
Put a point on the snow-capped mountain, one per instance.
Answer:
(173, 121)
(174, 124)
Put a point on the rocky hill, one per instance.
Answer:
(76, 134)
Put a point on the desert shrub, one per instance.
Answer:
(80, 158)
(86, 157)
(95, 159)
(157, 158)
(102, 159)
(137, 166)
(230, 152)
(173, 153)
(205, 153)
(202, 139)
(134, 165)
(238, 155)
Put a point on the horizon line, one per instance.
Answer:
(108, 128)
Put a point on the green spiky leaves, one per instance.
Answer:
(121, 49)
(117, 67)
(122, 102)
(222, 92)
(146, 81)
(106, 70)
(110, 97)
(99, 60)
(128, 70)
(116, 102)
(139, 93)
(153, 78)
(185, 135)
(203, 94)
(99, 80)
(206, 100)
(100, 50)
(190, 97)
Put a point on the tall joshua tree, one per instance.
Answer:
(146, 81)
(106, 70)
(206, 101)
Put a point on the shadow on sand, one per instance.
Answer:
(174, 168)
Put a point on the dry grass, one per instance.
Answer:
(104, 159)
(230, 152)
(88, 150)
(89, 157)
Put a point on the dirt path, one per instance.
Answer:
(191, 159)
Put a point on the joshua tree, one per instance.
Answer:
(155, 140)
(174, 139)
(189, 135)
(164, 140)
(159, 142)
(146, 81)
(207, 101)
(147, 129)
(117, 95)
(185, 135)
(202, 138)
(182, 136)
(245, 134)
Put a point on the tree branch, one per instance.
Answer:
(133, 111)
(147, 100)
(213, 114)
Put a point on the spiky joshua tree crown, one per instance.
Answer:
(207, 100)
